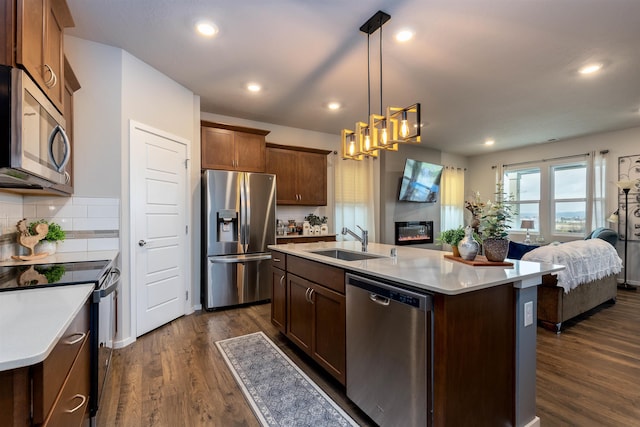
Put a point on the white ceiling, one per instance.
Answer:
(500, 69)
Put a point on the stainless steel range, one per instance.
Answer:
(103, 315)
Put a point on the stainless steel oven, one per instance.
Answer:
(34, 147)
(104, 327)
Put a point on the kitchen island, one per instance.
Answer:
(482, 332)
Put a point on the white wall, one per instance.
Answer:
(97, 112)
(118, 88)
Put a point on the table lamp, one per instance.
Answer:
(527, 223)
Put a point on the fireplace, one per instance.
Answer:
(414, 232)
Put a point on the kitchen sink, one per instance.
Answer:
(346, 255)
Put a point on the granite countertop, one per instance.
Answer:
(424, 269)
(33, 320)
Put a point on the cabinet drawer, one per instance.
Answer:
(71, 407)
(279, 260)
(49, 376)
(326, 275)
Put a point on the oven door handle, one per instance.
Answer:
(114, 280)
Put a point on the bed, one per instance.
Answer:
(590, 279)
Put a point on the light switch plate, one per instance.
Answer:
(528, 313)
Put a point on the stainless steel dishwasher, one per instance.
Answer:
(389, 352)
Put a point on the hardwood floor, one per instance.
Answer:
(174, 376)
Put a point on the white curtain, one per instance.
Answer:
(598, 167)
(452, 199)
(354, 204)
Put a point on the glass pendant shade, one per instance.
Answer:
(405, 124)
(379, 126)
(364, 141)
(350, 149)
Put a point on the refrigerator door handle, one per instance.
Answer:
(244, 202)
(247, 213)
(235, 259)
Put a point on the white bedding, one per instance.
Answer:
(585, 261)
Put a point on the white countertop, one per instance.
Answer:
(33, 320)
(424, 269)
(60, 257)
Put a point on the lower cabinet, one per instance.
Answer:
(279, 299)
(314, 310)
(54, 392)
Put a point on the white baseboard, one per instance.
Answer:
(533, 423)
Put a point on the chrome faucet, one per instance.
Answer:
(364, 239)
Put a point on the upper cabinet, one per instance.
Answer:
(232, 147)
(301, 174)
(71, 84)
(40, 26)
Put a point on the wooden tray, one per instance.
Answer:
(480, 261)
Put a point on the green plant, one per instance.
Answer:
(315, 219)
(452, 236)
(55, 234)
(496, 215)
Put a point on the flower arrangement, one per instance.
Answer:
(475, 206)
(497, 215)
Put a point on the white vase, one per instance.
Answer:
(316, 230)
(324, 229)
(46, 246)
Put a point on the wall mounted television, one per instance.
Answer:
(420, 182)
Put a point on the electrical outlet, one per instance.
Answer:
(528, 313)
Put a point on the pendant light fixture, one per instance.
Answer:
(386, 130)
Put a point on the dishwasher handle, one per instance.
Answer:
(379, 299)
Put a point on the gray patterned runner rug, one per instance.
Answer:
(279, 393)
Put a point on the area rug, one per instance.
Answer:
(279, 393)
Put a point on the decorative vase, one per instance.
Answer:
(496, 249)
(468, 247)
(316, 230)
(324, 229)
(46, 246)
(306, 227)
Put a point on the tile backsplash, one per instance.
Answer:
(90, 223)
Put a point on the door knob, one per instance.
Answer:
(142, 243)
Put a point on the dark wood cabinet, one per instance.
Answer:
(54, 392)
(71, 85)
(279, 291)
(236, 148)
(316, 312)
(301, 173)
(40, 28)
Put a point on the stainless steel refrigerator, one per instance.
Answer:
(238, 221)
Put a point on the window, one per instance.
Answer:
(552, 194)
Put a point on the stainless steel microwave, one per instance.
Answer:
(34, 147)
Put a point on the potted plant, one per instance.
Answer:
(495, 225)
(54, 235)
(452, 237)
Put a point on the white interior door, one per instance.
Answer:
(159, 218)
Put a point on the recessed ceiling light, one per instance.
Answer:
(333, 106)
(489, 142)
(590, 68)
(404, 35)
(206, 28)
(254, 87)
